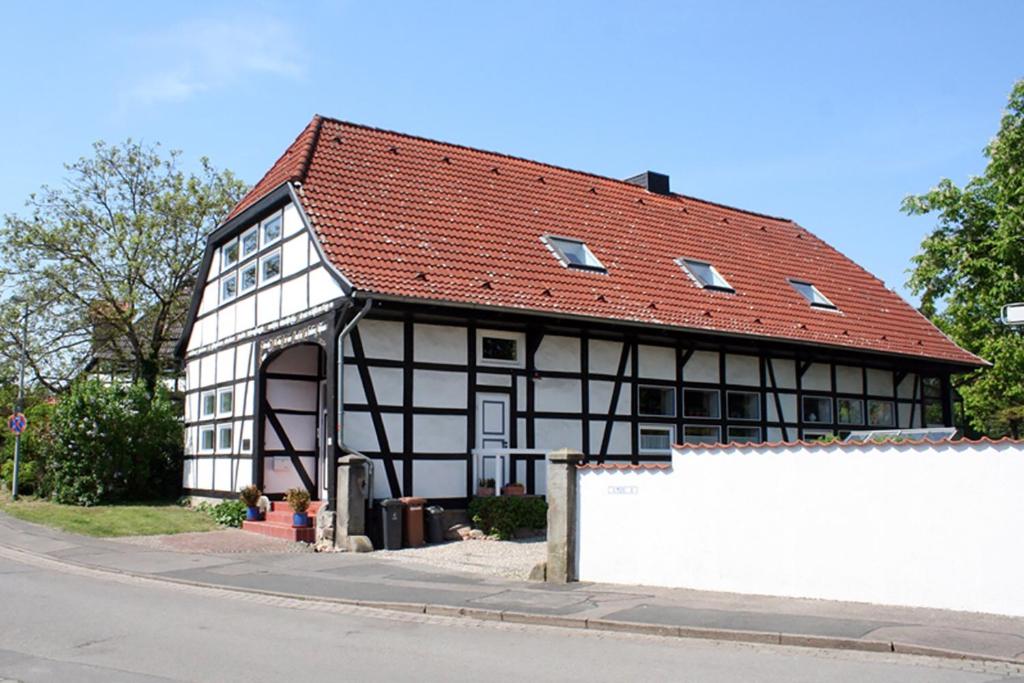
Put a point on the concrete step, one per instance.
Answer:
(281, 530)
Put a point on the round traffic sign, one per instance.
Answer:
(17, 423)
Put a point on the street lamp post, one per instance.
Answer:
(20, 406)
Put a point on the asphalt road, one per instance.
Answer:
(79, 625)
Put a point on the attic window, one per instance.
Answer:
(811, 293)
(229, 255)
(705, 274)
(573, 253)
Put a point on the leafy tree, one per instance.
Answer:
(105, 262)
(972, 263)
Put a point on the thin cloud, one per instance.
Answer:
(205, 55)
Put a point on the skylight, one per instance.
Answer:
(573, 253)
(811, 293)
(705, 274)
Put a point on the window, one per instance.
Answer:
(229, 254)
(206, 438)
(228, 287)
(499, 348)
(700, 403)
(745, 434)
(655, 439)
(811, 293)
(705, 274)
(270, 267)
(224, 433)
(931, 410)
(850, 411)
(246, 445)
(272, 230)
(656, 401)
(209, 404)
(881, 414)
(225, 401)
(574, 253)
(250, 242)
(816, 434)
(701, 434)
(817, 409)
(743, 405)
(248, 275)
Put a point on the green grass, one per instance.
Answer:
(110, 520)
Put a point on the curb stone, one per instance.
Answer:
(483, 614)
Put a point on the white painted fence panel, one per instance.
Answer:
(929, 525)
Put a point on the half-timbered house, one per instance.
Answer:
(452, 313)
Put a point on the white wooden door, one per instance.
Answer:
(492, 421)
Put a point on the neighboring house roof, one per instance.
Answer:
(404, 216)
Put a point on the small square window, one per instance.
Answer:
(850, 411)
(271, 230)
(246, 445)
(224, 434)
(817, 409)
(248, 276)
(209, 404)
(228, 287)
(701, 434)
(811, 293)
(655, 439)
(229, 254)
(881, 414)
(206, 437)
(500, 349)
(574, 253)
(270, 267)
(705, 274)
(745, 434)
(701, 403)
(743, 405)
(225, 401)
(656, 401)
(250, 242)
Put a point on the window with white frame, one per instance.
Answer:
(881, 414)
(206, 438)
(228, 287)
(743, 405)
(849, 411)
(208, 404)
(250, 241)
(224, 437)
(744, 434)
(704, 274)
(500, 348)
(270, 267)
(655, 400)
(701, 403)
(229, 254)
(271, 230)
(817, 409)
(247, 276)
(701, 434)
(814, 297)
(656, 439)
(573, 253)
(225, 401)
(817, 434)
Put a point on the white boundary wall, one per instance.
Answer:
(926, 525)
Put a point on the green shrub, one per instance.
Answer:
(112, 444)
(502, 515)
(226, 513)
(34, 442)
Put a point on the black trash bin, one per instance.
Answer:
(391, 523)
(435, 524)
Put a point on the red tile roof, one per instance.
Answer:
(405, 216)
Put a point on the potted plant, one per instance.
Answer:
(250, 495)
(298, 500)
(514, 489)
(485, 487)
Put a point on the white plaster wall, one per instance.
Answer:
(620, 441)
(554, 434)
(849, 380)
(656, 362)
(387, 384)
(381, 339)
(439, 478)
(906, 387)
(493, 379)
(785, 373)
(742, 370)
(880, 382)
(604, 356)
(702, 367)
(557, 395)
(915, 525)
(558, 353)
(439, 344)
(439, 433)
(789, 408)
(381, 488)
(817, 378)
(439, 389)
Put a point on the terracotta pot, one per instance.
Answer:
(484, 491)
(514, 490)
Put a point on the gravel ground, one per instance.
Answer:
(505, 559)
(224, 541)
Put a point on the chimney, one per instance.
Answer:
(651, 181)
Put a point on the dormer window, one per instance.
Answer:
(573, 253)
(811, 293)
(704, 274)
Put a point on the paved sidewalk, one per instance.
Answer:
(373, 579)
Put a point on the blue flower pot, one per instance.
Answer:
(253, 514)
(300, 519)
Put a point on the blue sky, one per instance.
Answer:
(827, 113)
